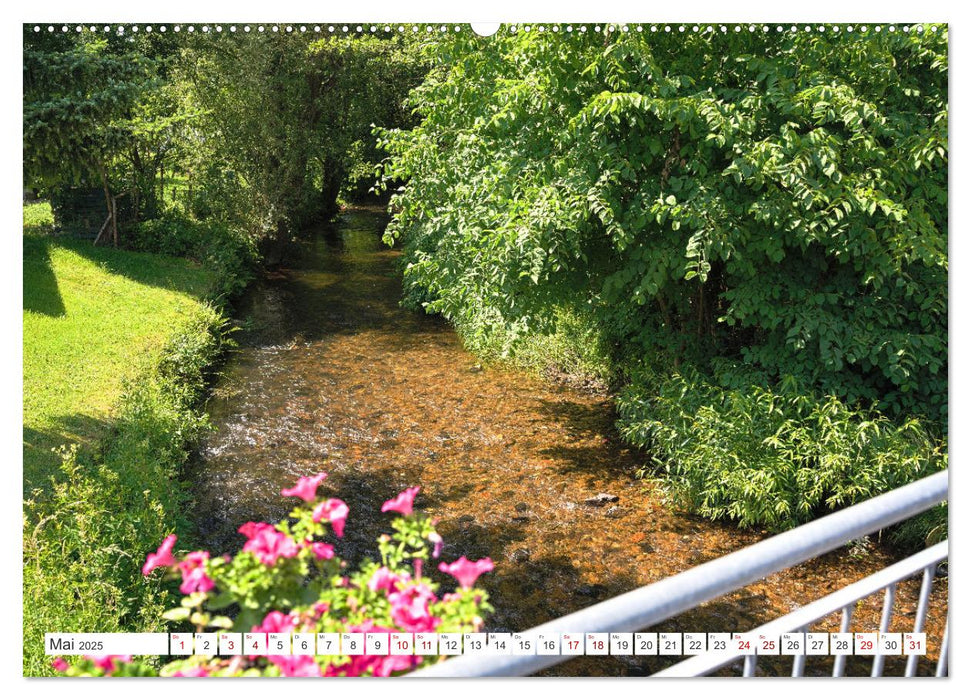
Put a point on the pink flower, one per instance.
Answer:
(402, 503)
(196, 581)
(60, 664)
(465, 571)
(107, 663)
(334, 511)
(161, 557)
(276, 621)
(438, 543)
(376, 665)
(322, 550)
(196, 672)
(306, 487)
(384, 666)
(303, 666)
(409, 609)
(194, 578)
(269, 544)
(384, 579)
(251, 529)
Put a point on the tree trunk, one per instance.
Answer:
(114, 220)
(332, 179)
(109, 201)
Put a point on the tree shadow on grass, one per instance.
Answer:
(149, 269)
(41, 293)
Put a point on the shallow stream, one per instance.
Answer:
(332, 374)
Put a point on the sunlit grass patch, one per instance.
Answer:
(92, 318)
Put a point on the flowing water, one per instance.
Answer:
(332, 374)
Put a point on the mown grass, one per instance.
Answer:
(117, 347)
(92, 318)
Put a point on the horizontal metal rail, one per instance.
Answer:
(842, 599)
(649, 605)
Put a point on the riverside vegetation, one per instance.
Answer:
(746, 233)
(742, 234)
(117, 347)
(119, 344)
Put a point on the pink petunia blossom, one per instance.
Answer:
(322, 550)
(402, 503)
(376, 665)
(195, 672)
(466, 572)
(276, 621)
(193, 569)
(384, 666)
(293, 666)
(162, 557)
(60, 664)
(384, 579)
(409, 609)
(251, 529)
(306, 487)
(107, 663)
(334, 511)
(269, 544)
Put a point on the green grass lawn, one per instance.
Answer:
(92, 318)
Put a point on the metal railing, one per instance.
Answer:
(844, 600)
(652, 604)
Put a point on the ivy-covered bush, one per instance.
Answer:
(286, 578)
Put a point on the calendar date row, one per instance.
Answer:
(555, 644)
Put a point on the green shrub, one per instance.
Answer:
(172, 234)
(574, 349)
(79, 575)
(219, 246)
(778, 199)
(770, 457)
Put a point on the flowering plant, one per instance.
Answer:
(287, 579)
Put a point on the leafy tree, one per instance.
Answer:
(756, 205)
(78, 93)
(290, 115)
(754, 226)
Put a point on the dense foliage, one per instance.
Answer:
(288, 117)
(771, 456)
(262, 131)
(223, 249)
(747, 207)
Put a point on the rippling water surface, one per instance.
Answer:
(333, 375)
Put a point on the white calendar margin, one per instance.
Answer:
(449, 11)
